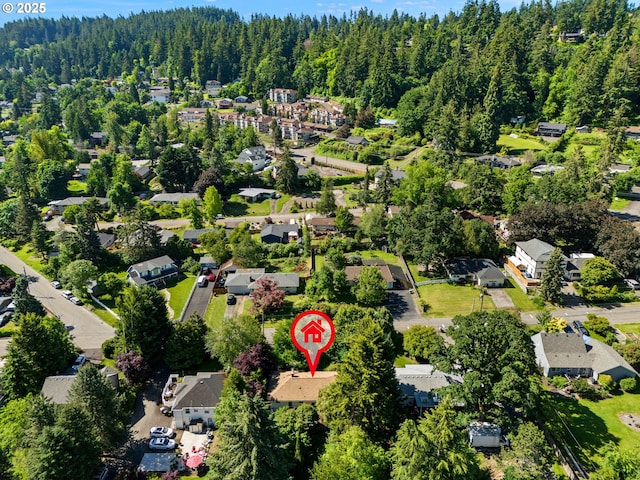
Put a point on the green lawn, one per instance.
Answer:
(76, 187)
(179, 294)
(618, 203)
(403, 361)
(629, 328)
(519, 145)
(596, 423)
(414, 273)
(215, 310)
(104, 315)
(447, 300)
(281, 201)
(378, 254)
(28, 256)
(520, 299)
(236, 207)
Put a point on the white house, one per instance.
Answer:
(531, 257)
(194, 399)
(256, 156)
(152, 272)
(173, 198)
(160, 94)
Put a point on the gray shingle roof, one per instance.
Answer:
(56, 388)
(149, 265)
(535, 248)
(605, 357)
(201, 390)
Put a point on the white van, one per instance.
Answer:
(202, 281)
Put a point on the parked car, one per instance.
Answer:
(631, 283)
(162, 444)
(579, 327)
(67, 294)
(161, 432)
(231, 299)
(76, 301)
(5, 317)
(46, 218)
(56, 284)
(79, 362)
(166, 411)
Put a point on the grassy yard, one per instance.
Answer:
(403, 361)
(520, 299)
(447, 300)
(414, 273)
(378, 254)
(236, 207)
(517, 146)
(104, 315)
(179, 294)
(76, 187)
(31, 258)
(281, 201)
(618, 203)
(215, 310)
(594, 424)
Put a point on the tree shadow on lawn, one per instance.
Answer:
(235, 209)
(588, 428)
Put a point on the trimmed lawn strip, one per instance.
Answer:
(414, 273)
(520, 299)
(520, 144)
(447, 300)
(378, 254)
(28, 256)
(104, 315)
(281, 201)
(629, 328)
(179, 294)
(403, 361)
(618, 204)
(215, 310)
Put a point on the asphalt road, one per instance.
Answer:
(88, 330)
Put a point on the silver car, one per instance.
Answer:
(162, 444)
(161, 432)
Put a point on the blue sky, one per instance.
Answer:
(113, 8)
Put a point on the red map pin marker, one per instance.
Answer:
(312, 332)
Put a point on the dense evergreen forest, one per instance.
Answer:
(448, 77)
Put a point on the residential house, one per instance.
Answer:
(396, 176)
(387, 122)
(356, 140)
(482, 271)
(633, 132)
(56, 388)
(583, 129)
(353, 272)
(575, 355)
(106, 239)
(145, 172)
(173, 198)
(545, 169)
(241, 99)
(255, 156)
(484, 435)
(225, 103)
(321, 225)
(208, 263)
(160, 94)
(243, 281)
(82, 170)
(574, 265)
(193, 400)
(282, 95)
(420, 384)
(279, 233)
(152, 272)
(97, 139)
(549, 129)
(291, 389)
(213, 87)
(191, 114)
(58, 206)
(193, 236)
(256, 194)
(531, 257)
(503, 163)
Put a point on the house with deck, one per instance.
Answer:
(152, 272)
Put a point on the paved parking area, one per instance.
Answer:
(500, 298)
(402, 305)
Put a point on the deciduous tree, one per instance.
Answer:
(133, 366)
(370, 288)
(422, 342)
(186, 346)
(232, 336)
(266, 296)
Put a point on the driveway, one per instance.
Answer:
(199, 301)
(87, 330)
(402, 306)
(500, 298)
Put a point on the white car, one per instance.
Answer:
(161, 432)
(76, 301)
(56, 284)
(66, 294)
(162, 444)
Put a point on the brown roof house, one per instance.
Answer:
(578, 356)
(352, 273)
(193, 399)
(322, 224)
(290, 389)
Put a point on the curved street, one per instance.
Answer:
(87, 329)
